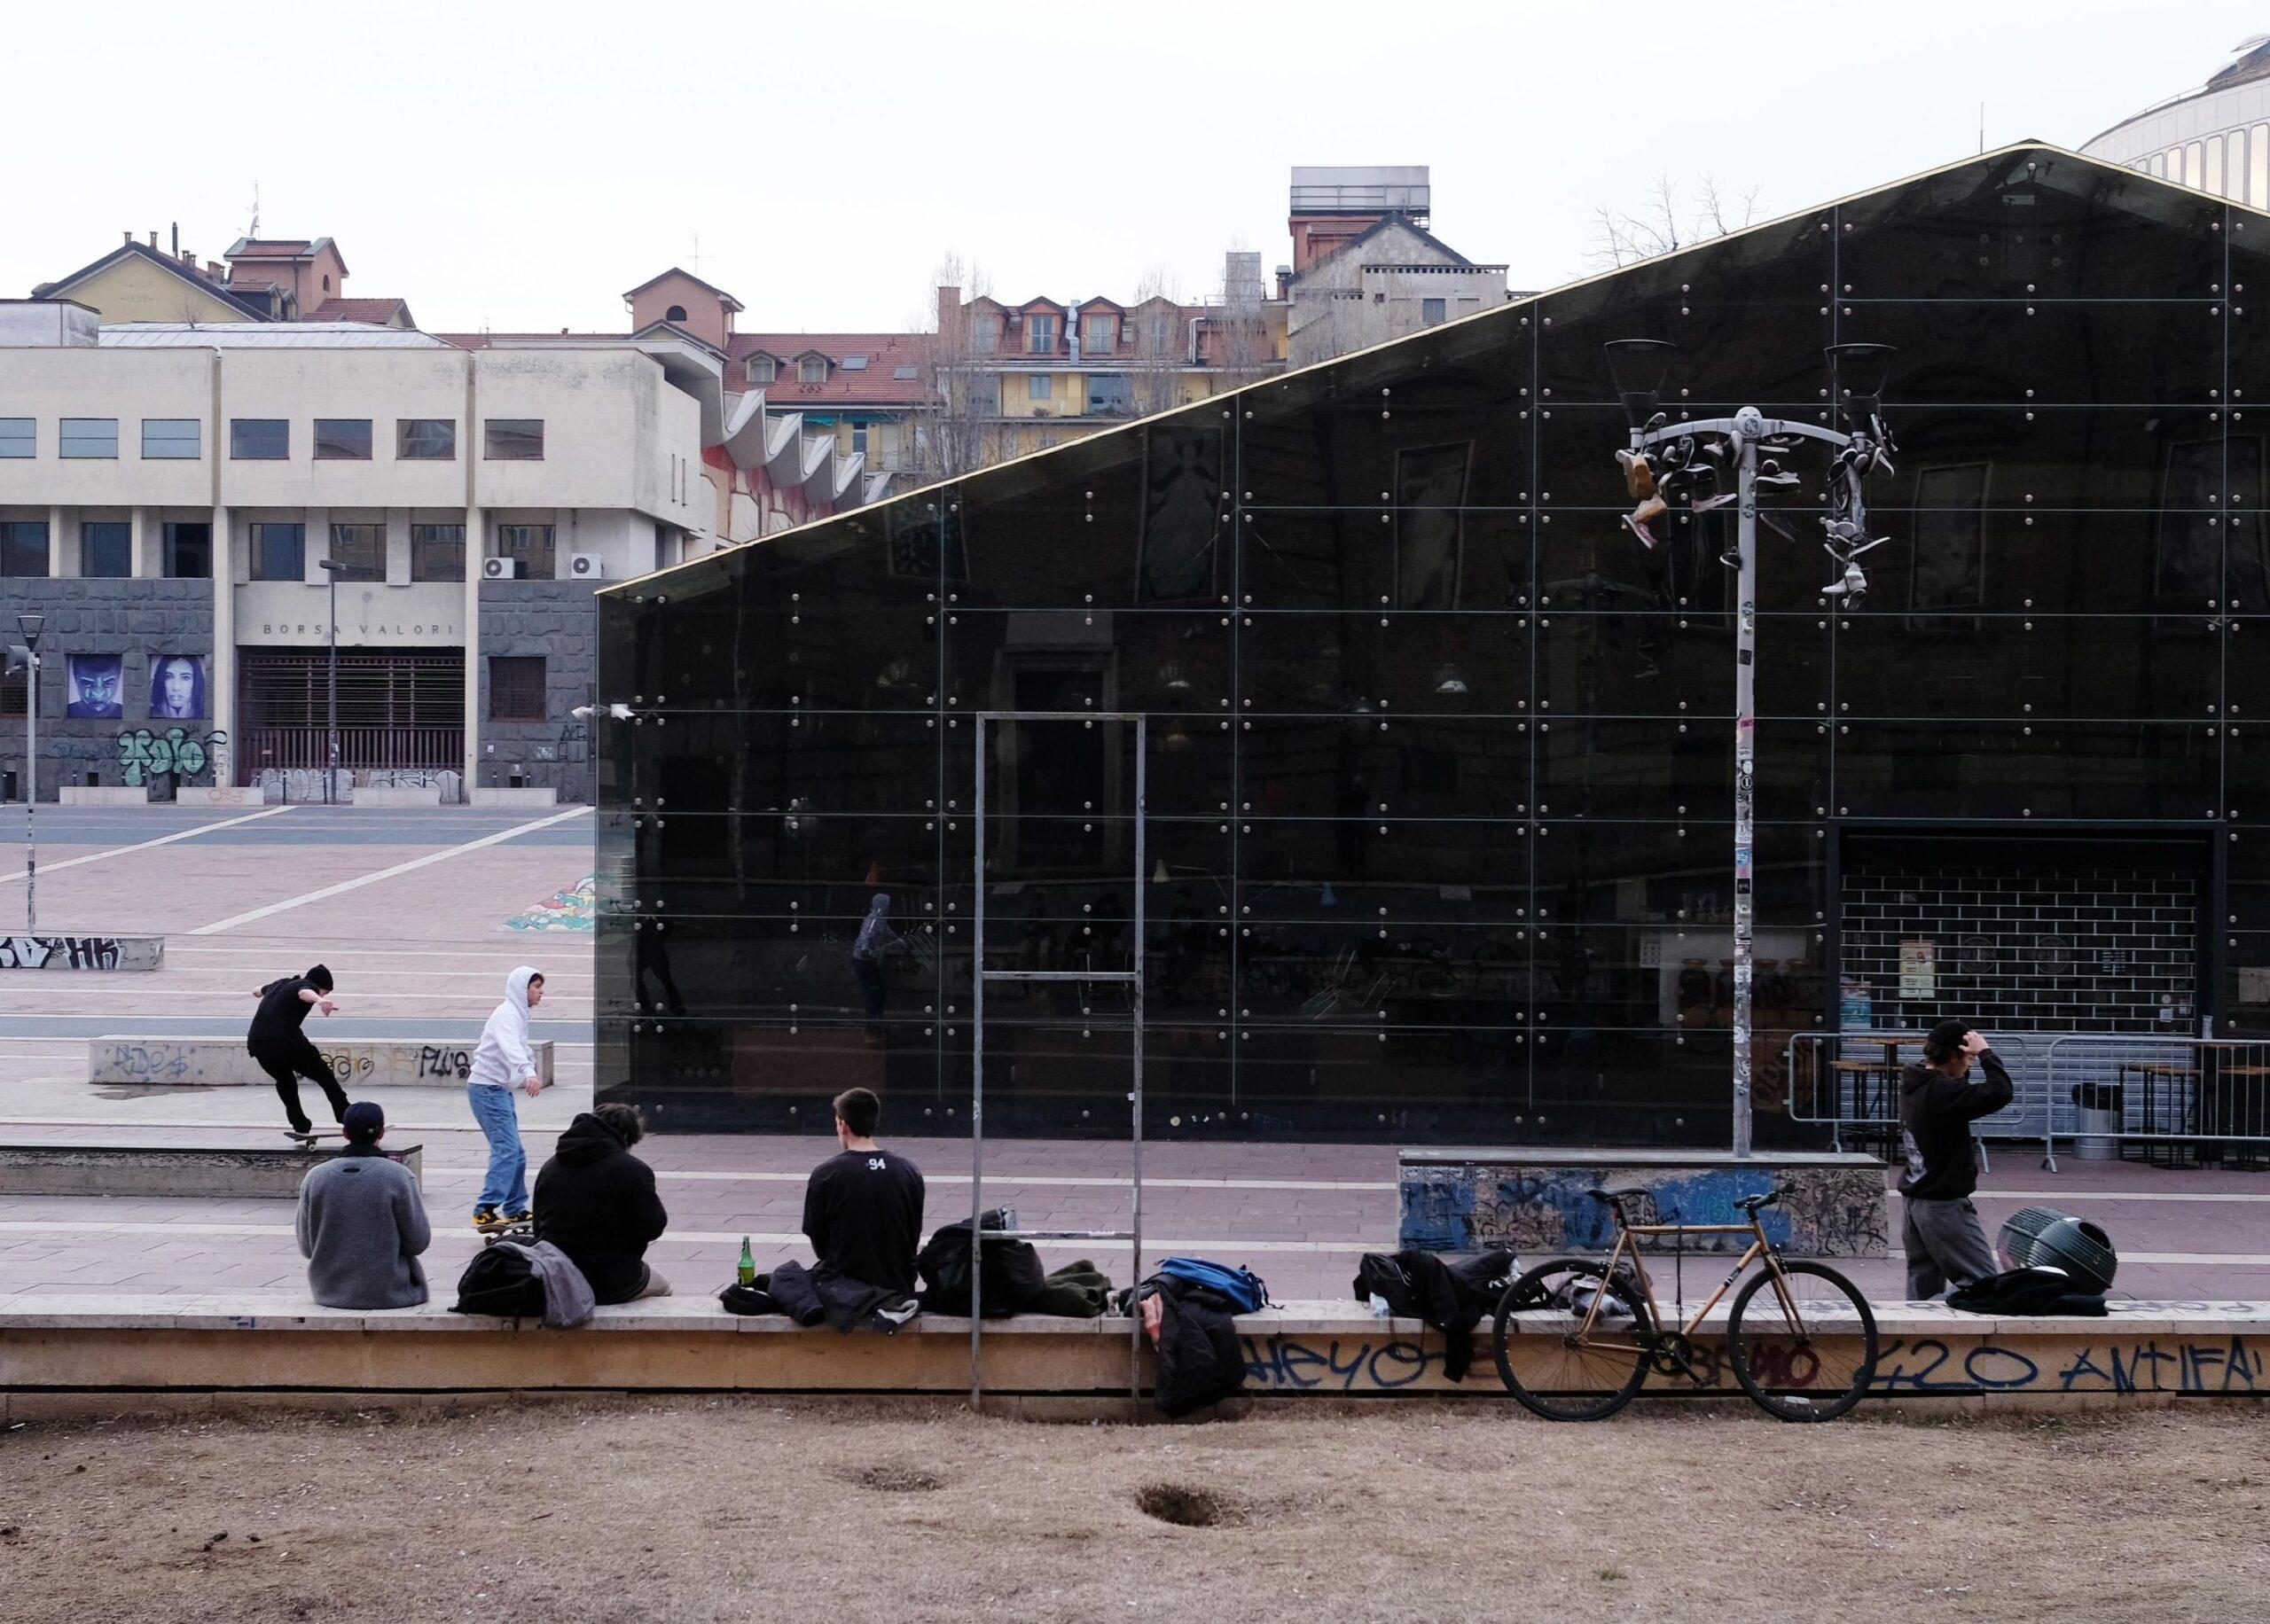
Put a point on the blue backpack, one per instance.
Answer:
(1242, 1286)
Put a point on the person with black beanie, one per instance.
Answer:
(1939, 1101)
(281, 1048)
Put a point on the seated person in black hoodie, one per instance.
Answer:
(863, 1209)
(1939, 1101)
(596, 1202)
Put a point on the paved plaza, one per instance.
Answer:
(414, 912)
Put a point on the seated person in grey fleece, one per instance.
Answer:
(362, 1225)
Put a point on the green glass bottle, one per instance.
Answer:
(747, 1272)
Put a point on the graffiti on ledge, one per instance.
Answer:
(146, 755)
(80, 952)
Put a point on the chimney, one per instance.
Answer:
(153, 236)
(127, 235)
(176, 235)
(949, 308)
(216, 271)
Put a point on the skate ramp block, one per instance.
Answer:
(229, 795)
(222, 1062)
(103, 795)
(368, 795)
(1536, 1198)
(257, 1172)
(81, 950)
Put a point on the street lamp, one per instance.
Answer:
(331, 568)
(30, 625)
(1686, 463)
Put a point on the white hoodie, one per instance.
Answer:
(503, 1059)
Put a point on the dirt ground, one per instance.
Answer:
(734, 1508)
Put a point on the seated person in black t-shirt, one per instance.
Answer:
(863, 1209)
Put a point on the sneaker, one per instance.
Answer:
(485, 1218)
(523, 1216)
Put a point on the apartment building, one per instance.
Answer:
(1366, 270)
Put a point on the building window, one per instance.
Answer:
(2214, 181)
(531, 544)
(2258, 168)
(759, 369)
(23, 547)
(1110, 395)
(86, 437)
(1098, 334)
(2195, 164)
(437, 552)
(18, 436)
(1039, 386)
(425, 440)
(343, 439)
(812, 370)
(1040, 333)
(859, 439)
(187, 550)
(361, 548)
(516, 688)
(259, 439)
(1431, 311)
(171, 439)
(984, 333)
(985, 395)
(513, 440)
(280, 552)
(676, 313)
(107, 548)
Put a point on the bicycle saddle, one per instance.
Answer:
(1750, 1204)
(1611, 1197)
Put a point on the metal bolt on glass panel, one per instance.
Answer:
(981, 977)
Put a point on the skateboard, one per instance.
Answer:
(306, 1141)
(504, 1229)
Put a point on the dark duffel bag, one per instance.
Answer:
(1013, 1276)
(499, 1280)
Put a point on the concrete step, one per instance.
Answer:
(211, 1170)
(358, 1063)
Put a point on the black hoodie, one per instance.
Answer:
(1935, 1112)
(596, 1202)
(282, 1011)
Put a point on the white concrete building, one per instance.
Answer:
(2215, 138)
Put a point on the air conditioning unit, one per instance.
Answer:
(584, 565)
(500, 569)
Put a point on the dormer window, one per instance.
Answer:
(1040, 333)
(759, 369)
(1098, 334)
(676, 313)
(812, 369)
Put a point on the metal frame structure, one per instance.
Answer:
(1131, 978)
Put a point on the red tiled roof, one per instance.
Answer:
(380, 310)
(876, 385)
(271, 248)
(482, 340)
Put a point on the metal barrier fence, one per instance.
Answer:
(1849, 1084)
(2179, 1100)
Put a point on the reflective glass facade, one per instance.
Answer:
(1439, 759)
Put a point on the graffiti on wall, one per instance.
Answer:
(80, 952)
(1824, 1212)
(184, 756)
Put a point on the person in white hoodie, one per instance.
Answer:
(502, 1063)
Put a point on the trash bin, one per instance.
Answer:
(2097, 1109)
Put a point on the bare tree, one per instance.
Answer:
(959, 432)
(1664, 220)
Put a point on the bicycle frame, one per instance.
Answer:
(1626, 1245)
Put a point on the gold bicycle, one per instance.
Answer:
(1576, 1338)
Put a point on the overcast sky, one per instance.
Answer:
(519, 166)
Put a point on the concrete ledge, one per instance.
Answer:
(544, 797)
(103, 795)
(99, 1354)
(222, 1062)
(228, 795)
(88, 951)
(395, 795)
(1536, 1198)
(223, 1171)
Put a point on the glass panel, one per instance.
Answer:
(2111, 770)
(169, 438)
(1364, 871)
(361, 548)
(23, 547)
(1651, 663)
(188, 549)
(513, 440)
(1385, 559)
(260, 438)
(437, 552)
(1355, 767)
(426, 438)
(1673, 771)
(91, 437)
(107, 548)
(2051, 666)
(342, 438)
(1443, 664)
(280, 552)
(2051, 353)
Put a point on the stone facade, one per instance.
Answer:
(555, 619)
(133, 619)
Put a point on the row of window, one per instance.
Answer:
(1109, 394)
(1101, 333)
(2235, 165)
(516, 688)
(416, 439)
(278, 550)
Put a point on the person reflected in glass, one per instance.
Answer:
(875, 938)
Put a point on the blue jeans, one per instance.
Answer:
(507, 1187)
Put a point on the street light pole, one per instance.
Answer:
(1692, 455)
(31, 625)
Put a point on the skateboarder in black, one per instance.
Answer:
(282, 1051)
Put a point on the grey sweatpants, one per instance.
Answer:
(1946, 1246)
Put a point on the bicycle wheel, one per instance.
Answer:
(1815, 1373)
(1539, 1358)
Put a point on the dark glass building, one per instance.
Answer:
(1437, 830)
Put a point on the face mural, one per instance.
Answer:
(94, 680)
(177, 687)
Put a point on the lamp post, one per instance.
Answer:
(1684, 462)
(331, 568)
(31, 625)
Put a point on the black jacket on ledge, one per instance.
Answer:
(596, 1202)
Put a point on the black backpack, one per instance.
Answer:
(1013, 1276)
(500, 1281)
